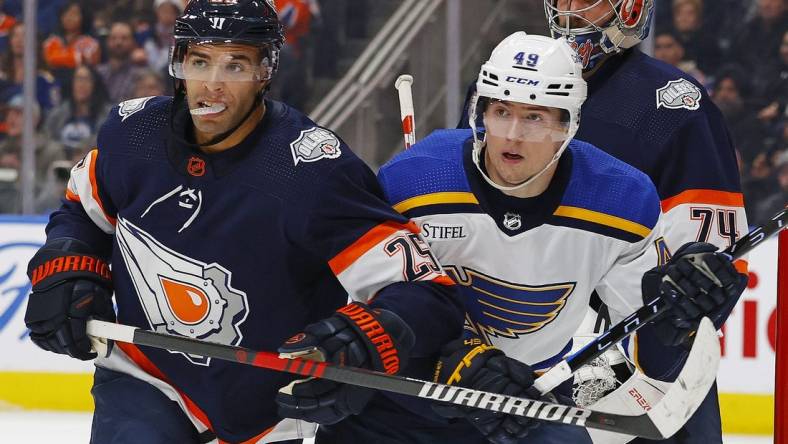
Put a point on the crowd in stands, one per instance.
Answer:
(738, 49)
(93, 54)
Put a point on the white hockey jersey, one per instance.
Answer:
(527, 267)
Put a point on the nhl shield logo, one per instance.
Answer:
(315, 144)
(129, 107)
(512, 221)
(679, 94)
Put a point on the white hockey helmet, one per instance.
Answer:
(629, 24)
(534, 70)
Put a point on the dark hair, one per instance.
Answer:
(87, 18)
(738, 77)
(98, 99)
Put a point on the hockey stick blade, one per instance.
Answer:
(658, 423)
(564, 369)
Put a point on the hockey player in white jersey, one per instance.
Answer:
(529, 222)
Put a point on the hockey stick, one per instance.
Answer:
(662, 421)
(564, 369)
(403, 85)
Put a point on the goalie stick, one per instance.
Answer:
(660, 422)
(564, 369)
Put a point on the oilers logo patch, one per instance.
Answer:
(129, 107)
(679, 94)
(496, 308)
(181, 295)
(314, 144)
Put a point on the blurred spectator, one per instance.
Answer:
(6, 22)
(11, 146)
(729, 91)
(148, 83)
(48, 91)
(119, 70)
(296, 17)
(772, 83)
(74, 124)
(669, 49)
(71, 46)
(768, 205)
(699, 44)
(46, 12)
(761, 37)
(157, 46)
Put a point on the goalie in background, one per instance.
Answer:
(529, 222)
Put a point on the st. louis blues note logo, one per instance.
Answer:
(496, 308)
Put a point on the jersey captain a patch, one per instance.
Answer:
(314, 144)
(677, 94)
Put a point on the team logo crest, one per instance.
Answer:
(512, 221)
(181, 295)
(315, 144)
(129, 107)
(679, 94)
(496, 308)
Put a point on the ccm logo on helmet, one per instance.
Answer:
(522, 81)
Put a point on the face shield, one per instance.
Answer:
(523, 123)
(212, 61)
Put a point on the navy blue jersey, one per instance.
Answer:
(244, 247)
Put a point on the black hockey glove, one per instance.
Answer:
(356, 336)
(69, 286)
(696, 282)
(472, 364)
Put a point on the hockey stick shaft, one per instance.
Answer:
(403, 86)
(631, 425)
(563, 370)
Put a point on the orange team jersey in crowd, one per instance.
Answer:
(83, 50)
(296, 16)
(6, 23)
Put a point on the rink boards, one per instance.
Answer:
(33, 379)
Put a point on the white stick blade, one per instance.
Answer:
(693, 383)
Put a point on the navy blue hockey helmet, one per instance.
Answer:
(247, 22)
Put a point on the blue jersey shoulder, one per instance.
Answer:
(433, 165)
(609, 192)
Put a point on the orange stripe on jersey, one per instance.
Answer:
(71, 196)
(443, 280)
(136, 355)
(742, 266)
(710, 197)
(349, 255)
(94, 188)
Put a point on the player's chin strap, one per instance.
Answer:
(180, 98)
(478, 150)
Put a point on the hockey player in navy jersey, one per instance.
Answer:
(231, 218)
(530, 222)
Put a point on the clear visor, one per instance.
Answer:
(211, 62)
(523, 123)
